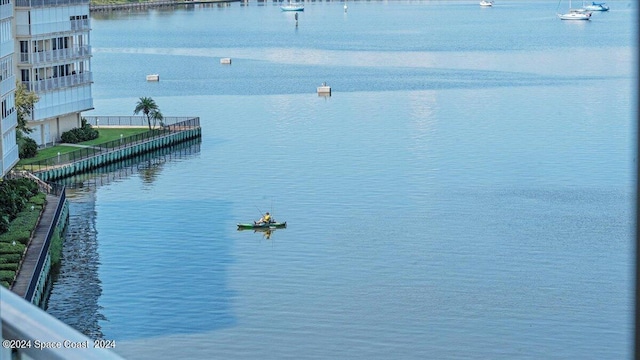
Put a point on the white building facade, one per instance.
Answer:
(8, 115)
(53, 60)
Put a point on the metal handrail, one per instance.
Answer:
(93, 150)
(45, 247)
(28, 323)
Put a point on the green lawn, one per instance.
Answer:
(111, 134)
(105, 135)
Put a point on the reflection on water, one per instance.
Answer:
(77, 286)
(464, 192)
(147, 165)
(265, 233)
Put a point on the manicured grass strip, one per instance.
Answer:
(48, 153)
(105, 135)
(111, 134)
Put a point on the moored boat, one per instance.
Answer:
(596, 7)
(292, 6)
(485, 3)
(575, 14)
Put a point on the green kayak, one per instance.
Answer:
(274, 225)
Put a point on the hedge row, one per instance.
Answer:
(14, 242)
(7, 275)
(14, 195)
(83, 133)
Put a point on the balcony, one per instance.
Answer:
(81, 25)
(55, 83)
(9, 160)
(11, 120)
(76, 52)
(6, 47)
(7, 85)
(6, 11)
(28, 324)
(43, 3)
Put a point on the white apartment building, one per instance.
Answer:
(8, 118)
(52, 57)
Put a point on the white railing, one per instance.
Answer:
(98, 121)
(59, 82)
(82, 24)
(9, 160)
(40, 3)
(6, 11)
(6, 47)
(80, 105)
(56, 55)
(7, 85)
(41, 336)
(11, 120)
(53, 27)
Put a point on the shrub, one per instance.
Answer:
(7, 275)
(4, 223)
(19, 236)
(9, 266)
(9, 248)
(25, 220)
(83, 133)
(4, 283)
(27, 147)
(39, 199)
(13, 199)
(10, 258)
(55, 249)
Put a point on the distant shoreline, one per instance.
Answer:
(115, 5)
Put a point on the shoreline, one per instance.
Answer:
(150, 4)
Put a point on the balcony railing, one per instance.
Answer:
(10, 159)
(6, 11)
(8, 84)
(70, 106)
(10, 120)
(75, 52)
(24, 324)
(82, 25)
(6, 47)
(41, 3)
(59, 82)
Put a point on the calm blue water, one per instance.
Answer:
(466, 192)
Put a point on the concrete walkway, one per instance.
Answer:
(81, 146)
(30, 260)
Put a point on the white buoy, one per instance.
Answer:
(324, 90)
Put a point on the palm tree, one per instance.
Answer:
(156, 115)
(149, 108)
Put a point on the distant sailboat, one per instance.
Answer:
(575, 14)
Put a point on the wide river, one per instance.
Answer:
(467, 192)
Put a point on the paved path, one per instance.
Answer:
(29, 261)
